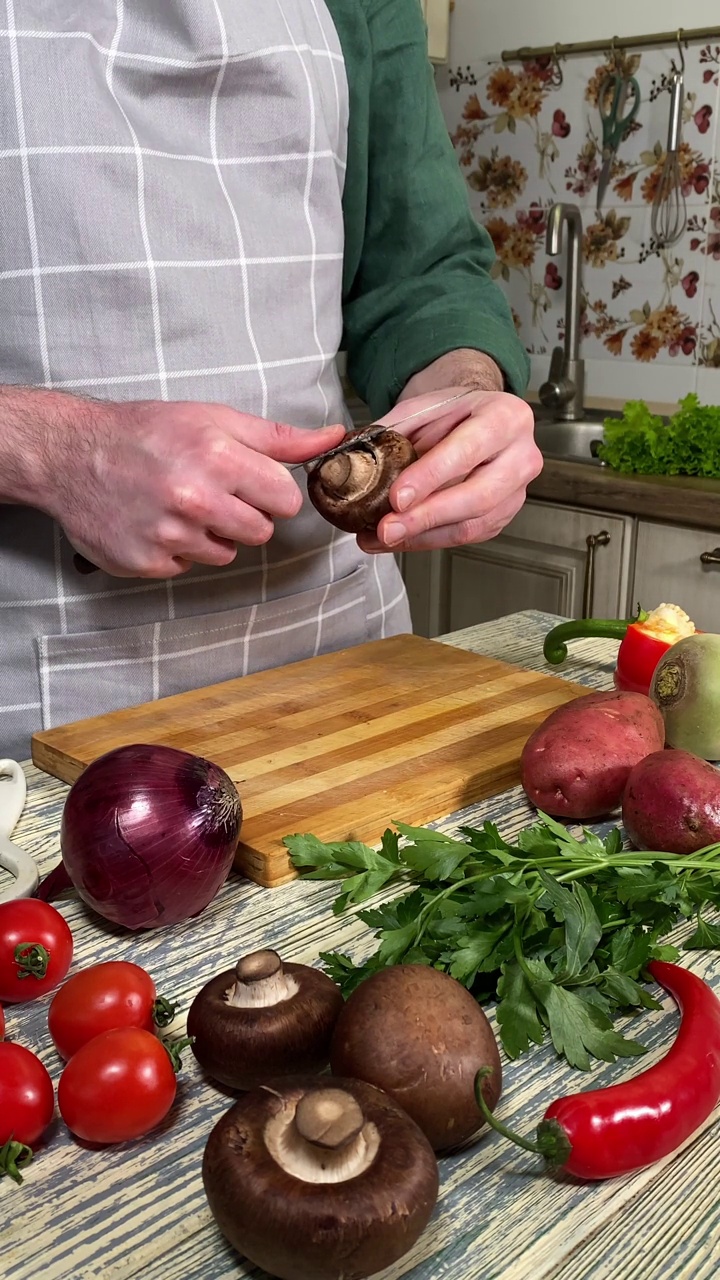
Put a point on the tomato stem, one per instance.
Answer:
(14, 1156)
(163, 1011)
(32, 960)
(174, 1049)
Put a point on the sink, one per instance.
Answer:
(572, 441)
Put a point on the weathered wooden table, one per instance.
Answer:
(139, 1210)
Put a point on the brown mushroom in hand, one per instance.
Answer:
(263, 1018)
(350, 485)
(317, 1179)
(419, 1035)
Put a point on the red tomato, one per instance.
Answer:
(118, 1086)
(36, 948)
(101, 998)
(27, 1098)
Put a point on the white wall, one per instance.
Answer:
(488, 26)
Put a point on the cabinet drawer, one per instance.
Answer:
(669, 568)
(544, 560)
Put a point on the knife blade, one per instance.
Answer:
(85, 566)
(373, 430)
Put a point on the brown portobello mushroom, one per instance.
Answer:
(319, 1179)
(419, 1035)
(263, 1018)
(349, 486)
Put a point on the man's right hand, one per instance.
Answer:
(149, 488)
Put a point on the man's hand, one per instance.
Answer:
(147, 488)
(475, 461)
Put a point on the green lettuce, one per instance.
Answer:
(643, 443)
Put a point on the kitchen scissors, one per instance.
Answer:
(21, 866)
(616, 122)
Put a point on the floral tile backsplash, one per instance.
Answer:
(525, 141)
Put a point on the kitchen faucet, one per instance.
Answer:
(563, 392)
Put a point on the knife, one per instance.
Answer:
(375, 429)
(84, 566)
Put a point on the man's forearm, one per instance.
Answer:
(30, 417)
(464, 368)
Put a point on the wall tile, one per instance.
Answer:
(628, 380)
(642, 303)
(525, 141)
(707, 249)
(707, 386)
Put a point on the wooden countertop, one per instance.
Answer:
(138, 1211)
(685, 500)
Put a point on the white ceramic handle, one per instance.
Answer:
(13, 790)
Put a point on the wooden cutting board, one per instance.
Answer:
(340, 745)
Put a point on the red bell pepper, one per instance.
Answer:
(644, 639)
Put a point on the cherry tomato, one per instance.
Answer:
(101, 998)
(36, 948)
(27, 1098)
(117, 1086)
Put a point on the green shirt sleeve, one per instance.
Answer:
(416, 272)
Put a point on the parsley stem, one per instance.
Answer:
(520, 957)
(430, 907)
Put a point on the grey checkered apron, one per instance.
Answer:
(171, 174)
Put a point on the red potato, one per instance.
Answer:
(577, 762)
(672, 803)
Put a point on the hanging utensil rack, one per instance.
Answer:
(655, 40)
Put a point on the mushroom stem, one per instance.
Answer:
(323, 1137)
(260, 981)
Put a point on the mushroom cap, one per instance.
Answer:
(299, 1230)
(350, 485)
(243, 1047)
(419, 1035)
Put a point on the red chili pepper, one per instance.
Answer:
(638, 655)
(604, 1133)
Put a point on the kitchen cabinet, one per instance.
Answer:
(559, 559)
(681, 566)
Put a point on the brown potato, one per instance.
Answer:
(672, 803)
(420, 1036)
(576, 764)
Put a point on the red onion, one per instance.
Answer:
(148, 836)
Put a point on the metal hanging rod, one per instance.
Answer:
(615, 42)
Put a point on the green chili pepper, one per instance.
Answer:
(555, 646)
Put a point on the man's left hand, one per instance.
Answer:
(475, 460)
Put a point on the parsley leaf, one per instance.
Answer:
(579, 1028)
(705, 938)
(583, 930)
(433, 855)
(476, 952)
(517, 1012)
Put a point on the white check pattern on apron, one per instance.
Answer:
(171, 177)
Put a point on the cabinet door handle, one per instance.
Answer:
(710, 557)
(592, 541)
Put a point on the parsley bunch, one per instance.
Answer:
(556, 929)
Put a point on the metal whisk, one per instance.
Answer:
(669, 212)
